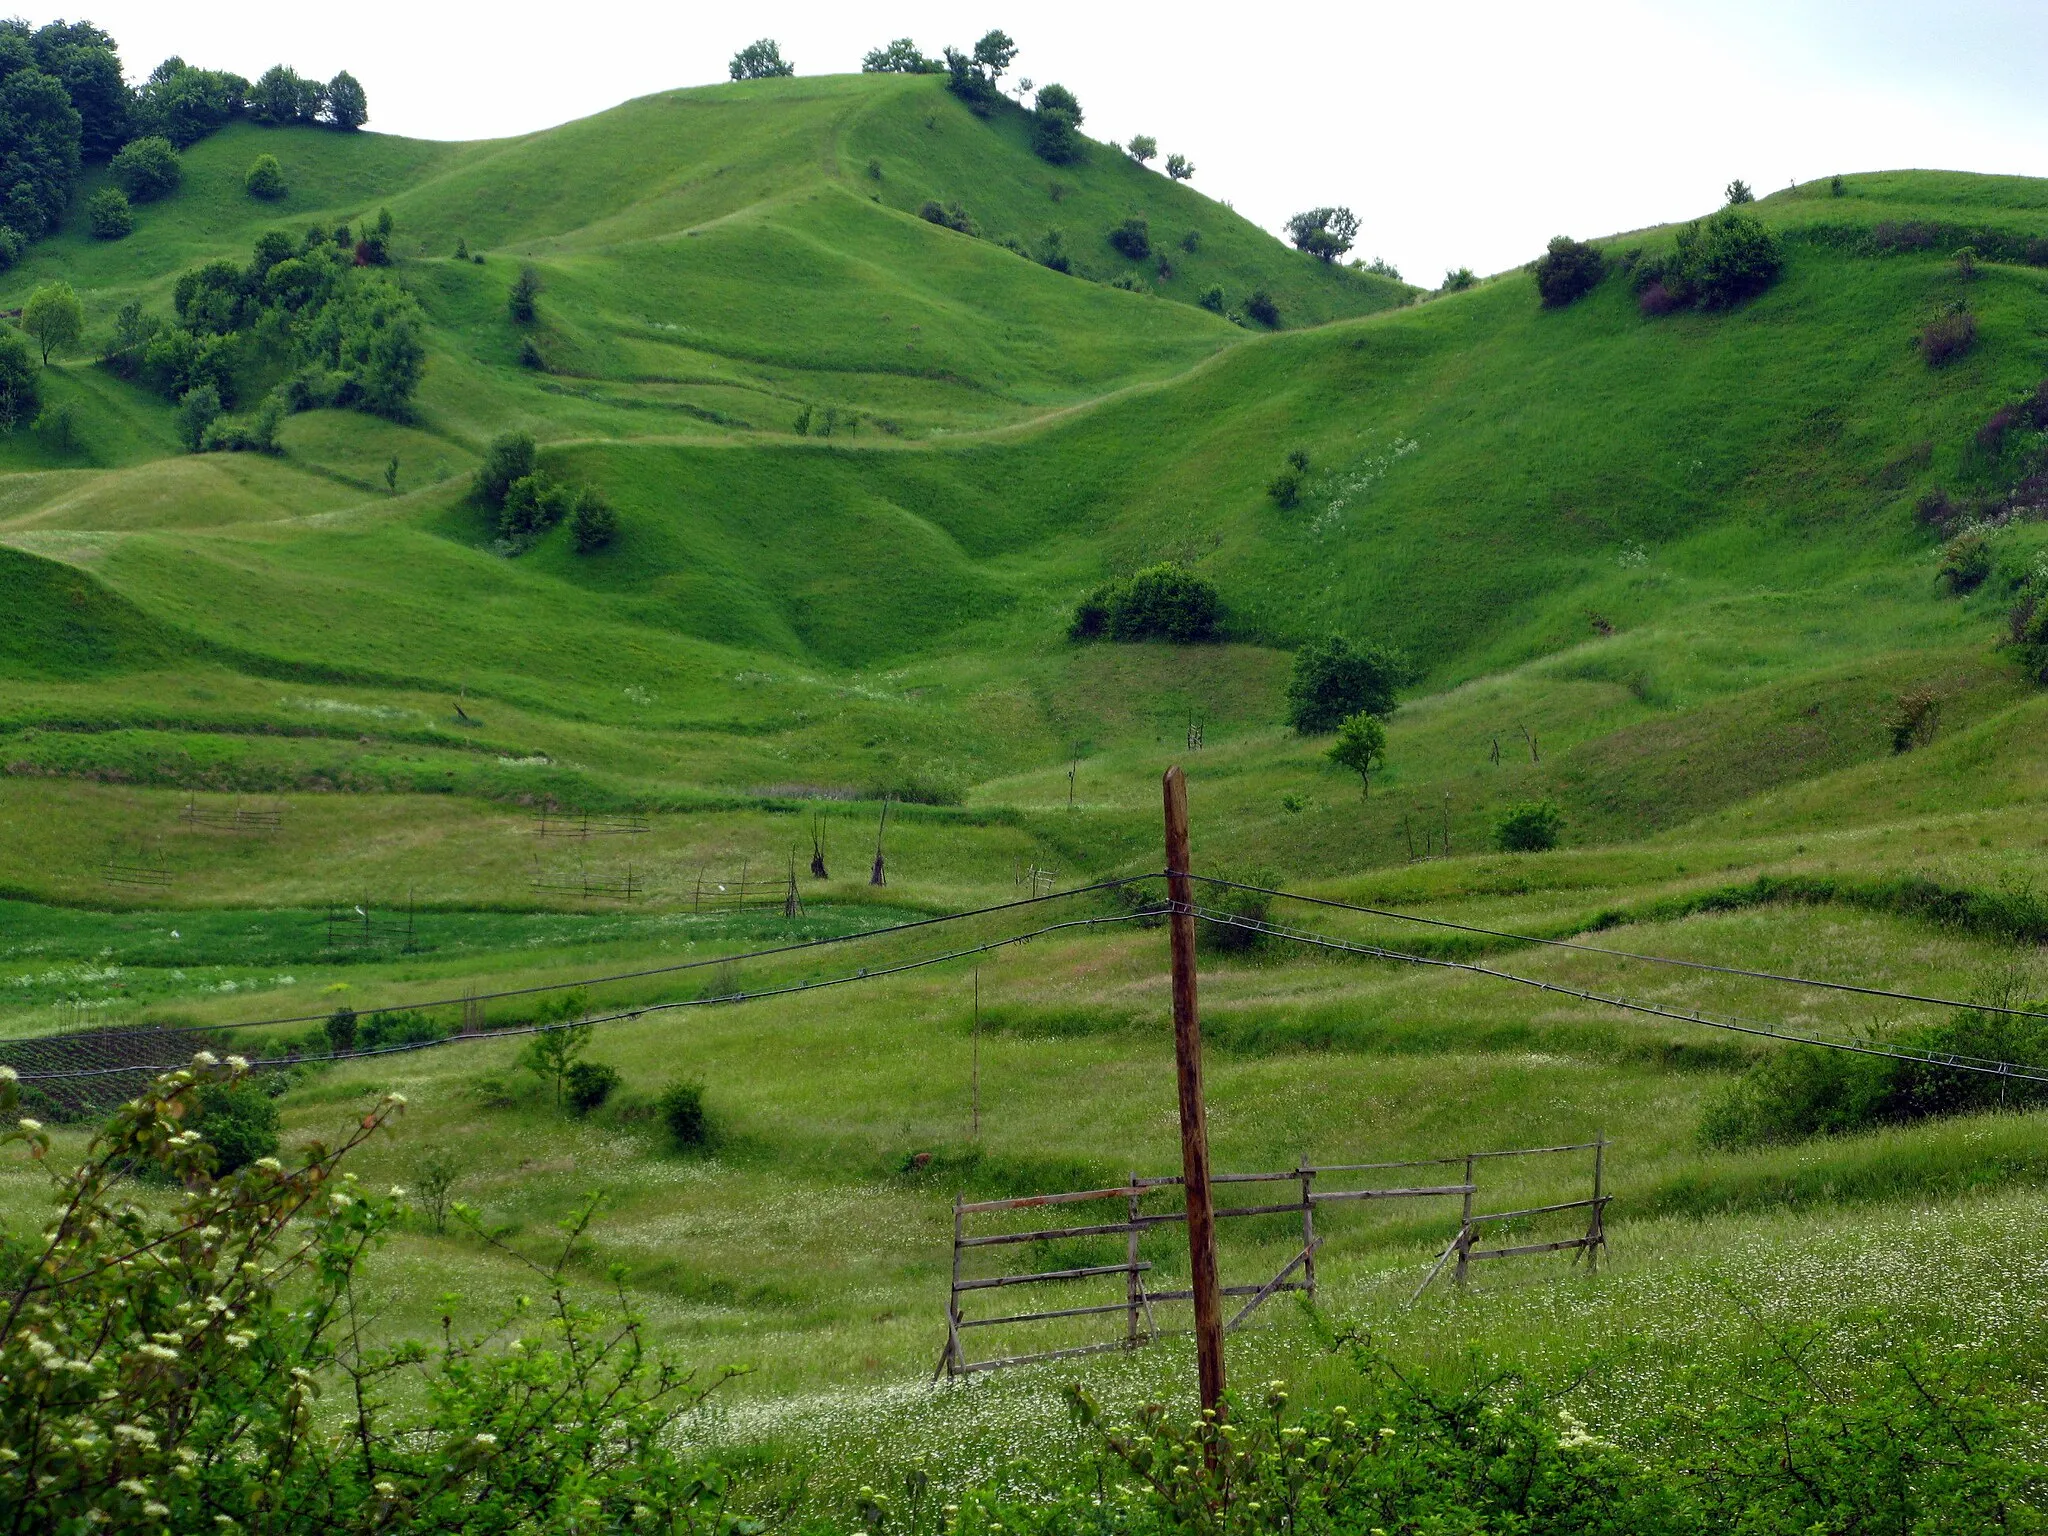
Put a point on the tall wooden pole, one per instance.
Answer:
(1194, 1120)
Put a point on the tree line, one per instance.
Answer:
(65, 104)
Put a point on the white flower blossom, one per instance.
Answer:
(31, 1126)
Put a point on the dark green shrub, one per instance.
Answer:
(1212, 299)
(1715, 262)
(196, 412)
(1965, 562)
(1260, 306)
(1457, 280)
(402, 1026)
(948, 216)
(682, 1111)
(1133, 237)
(533, 504)
(1052, 251)
(1226, 938)
(1530, 827)
(530, 356)
(1191, 242)
(19, 396)
(1334, 679)
(1285, 489)
(510, 457)
(240, 1123)
(1567, 269)
(588, 1084)
(594, 524)
(11, 246)
(265, 179)
(1161, 602)
(341, 1030)
(1055, 135)
(147, 168)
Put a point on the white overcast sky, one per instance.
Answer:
(1461, 134)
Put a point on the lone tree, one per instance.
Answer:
(1325, 233)
(1334, 680)
(760, 60)
(1361, 746)
(552, 1054)
(147, 168)
(348, 105)
(19, 397)
(54, 317)
(1143, 148)
(1180, 167)
(525, 289)
(975, 74)
(1054, 131)
(1738, 192)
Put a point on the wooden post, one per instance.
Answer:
(1308, 1225)
(1598, 1236)
(876, 876)
(1465, 1225)
(1194, 1122)
(955, 1358)
(1134, 1292)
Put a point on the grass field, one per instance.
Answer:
(1664, 572)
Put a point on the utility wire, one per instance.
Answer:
(1622, 954)
(658, 970)
(844, 979)
(1983, 1065)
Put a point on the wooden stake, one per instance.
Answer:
(1194, 1122)
(875, 876)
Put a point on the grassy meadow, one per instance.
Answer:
(1665, 572)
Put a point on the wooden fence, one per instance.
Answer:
(221, 818)
(581, 824)
(736, 893)
(1297, 1274)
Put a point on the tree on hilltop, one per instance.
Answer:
(760, 60)
(348, 105)
(1055, 135)
(974, 75)
(1325, 233)
(900, 57)
(995, 52)
(1143, 148)
(1180, 167)
(1738, 192)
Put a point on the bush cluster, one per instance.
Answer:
(1807, 1090)
(1715, 263)
(1161, 602)
(1133, 238)
(1529, 827)
(1260, 306)
(108, 215)
(265, 179)
(1948, 336)
(681, 1107)
(1965, 562)
(352, 338)
(1055, 126)
(526, 501)
(147, 169)
(948, 215)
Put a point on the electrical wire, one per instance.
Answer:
(1983, 1065)
(844, 979)
(1622, 954)
(658, 970)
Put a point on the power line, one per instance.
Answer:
(659, 970)
(1984, 1065)
(1622, 954)
(844, 979)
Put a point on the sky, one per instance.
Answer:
(1461, 135)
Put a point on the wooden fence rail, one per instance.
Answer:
(1297, 1274)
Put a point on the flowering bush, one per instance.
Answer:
(162, 1362)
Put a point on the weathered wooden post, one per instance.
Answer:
(1194, 1122)
(1308, 1224)
(1465, 1225)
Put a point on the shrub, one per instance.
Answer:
(1738, 192)
(682, 1110)
(761, 60)
(1948, 338)
(1567, 269)
(402, 1026)
(57, 426)
(255, 433)
(947, 216)
(1161, 602)
(530, 356)
(1458, 279)
(1133, 237)
(510, 457)
(1055, 126)
(1225, 938)
(1285, 489)
(1965, 562)
(1180, 167)
(1714, 263)
(519, 300)
(1324, 233)
(341, 1030)
(874, 168)
(1913, 719)
(239, 1122)
(1260, 306)
(1191, 242)
(1212, 299)
(1052, 251)
(589, 1083)
(11, 246)
(1128, 282)
(594, 524)
(147, 168)
(533, 504)
(1935, 510)
(1991, 436)
(1333, 679)
(265, 179)
(1530, 827)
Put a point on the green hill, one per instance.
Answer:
(1676, 572)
